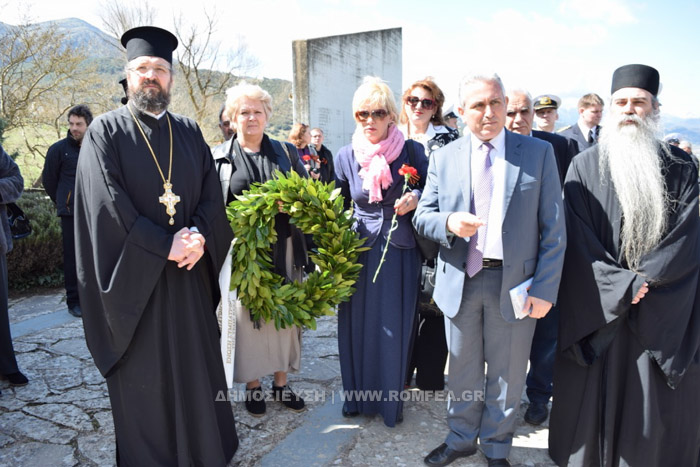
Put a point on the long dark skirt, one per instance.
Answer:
(375, 332)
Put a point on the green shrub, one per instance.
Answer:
(37, 260)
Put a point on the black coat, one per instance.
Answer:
(59, 173)
(564, 150)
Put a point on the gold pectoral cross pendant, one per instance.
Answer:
(169, 199)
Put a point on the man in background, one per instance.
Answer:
(450, 118)
(546, 114)
(686, 146)
(58, 178)
(519, 118)
(326, 167)
(587, 129)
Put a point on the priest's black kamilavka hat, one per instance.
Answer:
(636, 76)
(149, 41)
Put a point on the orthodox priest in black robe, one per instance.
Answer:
(148, 264)
(627, 371)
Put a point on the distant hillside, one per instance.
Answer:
(108, 55)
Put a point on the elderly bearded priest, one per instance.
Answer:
(627, 375)
(147, 202)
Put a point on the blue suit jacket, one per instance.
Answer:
(533, 230)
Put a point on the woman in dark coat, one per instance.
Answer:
(375, 326)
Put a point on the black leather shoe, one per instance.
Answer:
(76, 311)
(17, 379)
(349, 413)
(536, 413)
(498, 462)
(443, 455)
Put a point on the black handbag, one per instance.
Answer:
(19, 222)
(428, 248)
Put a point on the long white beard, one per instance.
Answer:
(630, 152)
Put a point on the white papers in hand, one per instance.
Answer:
(518, 295)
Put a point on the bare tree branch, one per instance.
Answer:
(119, 16)
(207, 69)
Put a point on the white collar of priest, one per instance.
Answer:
(157, 117)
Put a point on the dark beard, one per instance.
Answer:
(154, 102)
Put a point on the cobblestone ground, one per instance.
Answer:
(62, 417)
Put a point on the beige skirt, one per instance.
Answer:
(261, 352)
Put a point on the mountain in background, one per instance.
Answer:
(687, 128)
(105, 51)
(108, 55)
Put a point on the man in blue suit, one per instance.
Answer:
(493, 201)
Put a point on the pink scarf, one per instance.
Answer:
(374, 160)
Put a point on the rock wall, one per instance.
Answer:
(328, 70)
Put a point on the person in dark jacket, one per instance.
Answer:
(11, 184)
(59, 182)
(325, 155)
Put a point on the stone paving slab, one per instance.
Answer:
(62, 417)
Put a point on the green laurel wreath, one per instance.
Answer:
(315, 208)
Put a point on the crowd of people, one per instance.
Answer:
(574, 253)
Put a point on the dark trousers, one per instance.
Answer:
(70, 275)
(544, 345)
(429, 354)
(8, 363)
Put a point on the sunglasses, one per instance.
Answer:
(363, 115)
(413, 101)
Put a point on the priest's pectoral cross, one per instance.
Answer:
(169, 199)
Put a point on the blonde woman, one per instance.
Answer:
(375, 326)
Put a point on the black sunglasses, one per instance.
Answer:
(413, 101)
(363, 115)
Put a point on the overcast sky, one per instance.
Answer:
(567, 47)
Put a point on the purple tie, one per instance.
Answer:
(481, 201)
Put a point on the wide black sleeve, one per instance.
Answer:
(667, 319)
(595, 288)
(210, 214)
(52, 167)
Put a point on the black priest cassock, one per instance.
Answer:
(627, 377)
(151, 326)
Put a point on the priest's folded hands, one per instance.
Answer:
(187, 248)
